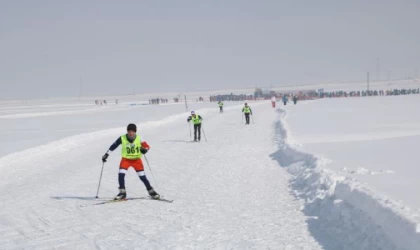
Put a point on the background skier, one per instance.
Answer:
(196, 120)
(285, 100)
(221, 106)
(247, 111)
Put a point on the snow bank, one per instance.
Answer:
(347, 211)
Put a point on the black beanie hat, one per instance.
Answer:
(132, 127)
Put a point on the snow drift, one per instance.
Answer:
(341, 207)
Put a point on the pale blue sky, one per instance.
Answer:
(115, 47)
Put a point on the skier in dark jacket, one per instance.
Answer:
(221, 106)
(285, 100)
(247, 111)
(196, 120)
(295, 99)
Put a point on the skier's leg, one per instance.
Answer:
(195, 131)
(138, 166)
(121, 178)
(121, 181)
(124, 165)
(143, 178)
(199, 132)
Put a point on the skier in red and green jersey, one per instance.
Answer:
(133, 148)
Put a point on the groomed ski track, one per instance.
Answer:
(239, 190)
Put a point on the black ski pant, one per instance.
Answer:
(197, 130)
(221, 109)
(247, 118)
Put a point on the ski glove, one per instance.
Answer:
(105, 157)
(144, 150)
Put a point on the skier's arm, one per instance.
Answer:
(243, 110)
(115, 144)
(250, 110)
(199, 117)
(189, 119)
(144, 147)
(112, 148)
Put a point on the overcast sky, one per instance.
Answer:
(50, 48)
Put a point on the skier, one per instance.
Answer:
(247, 111)
(295, 99)
(196, 120)
(285, 100)
(221, 106)
(132, 150)
(273, 101)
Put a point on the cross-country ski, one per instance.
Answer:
(126, 199)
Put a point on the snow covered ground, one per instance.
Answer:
(228, 192)
(363, 151)
(374, 140)
(248, 187)
(25, 126)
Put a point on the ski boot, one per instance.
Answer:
(122, 195)
(153, 194)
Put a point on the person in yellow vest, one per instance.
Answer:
(133, 148)
(247, 111)
(221, 106)
(196, 120)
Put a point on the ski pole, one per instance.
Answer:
(148, 165)
(204, 133)
(100, 179)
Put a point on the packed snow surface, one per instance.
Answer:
(260, 186)
(228, 192)
(25, 126)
